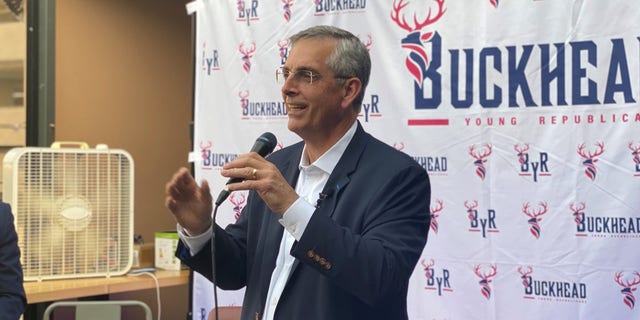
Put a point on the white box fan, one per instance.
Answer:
(73, 209)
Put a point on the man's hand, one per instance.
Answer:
(191, 205)
(262, 176)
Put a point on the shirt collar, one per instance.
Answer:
(328, 161)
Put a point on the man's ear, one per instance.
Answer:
(352, 88)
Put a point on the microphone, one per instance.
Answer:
(263, 146)
(323, 196)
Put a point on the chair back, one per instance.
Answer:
(97, 310)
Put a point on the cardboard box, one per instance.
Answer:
(166, 243)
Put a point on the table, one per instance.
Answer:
(40, 292)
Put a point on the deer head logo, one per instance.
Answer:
(471, 209)
(287, 4)
(522, 153)
(635, 152)
(481, 158)
(283, 48)
(578, 212)
(534, 217)
(525, 275)
(418, 60)
(628, 287)
(204, 149)
(238, 204)
(590, 159)
(486, 277)
(244, 102)
(428, 268)
(435, 215)
(247, 54)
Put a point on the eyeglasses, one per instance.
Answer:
(300, 76)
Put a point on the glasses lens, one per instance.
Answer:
(300, 76)
(306, 76)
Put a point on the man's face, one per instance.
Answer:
(315, 109)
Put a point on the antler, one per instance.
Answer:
(242, 49)
(472, 206)
(537, 213)
(399, 146)
(428, 266)
(283, 43)
(483, 154)
(627, 284)
(203, 147)
(521, 150)
(579, 208)
(598, 152)
(428, 271)
(494, 270)
(369, 41)
(525, 273)
(438, 207)
(239, 202)
(402, 22)
(243, 94)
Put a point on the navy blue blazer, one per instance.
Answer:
(357, 253)
(12, 297)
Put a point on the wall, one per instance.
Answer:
(123, 78)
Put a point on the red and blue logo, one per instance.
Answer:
(481, 155)
(535, 216)
(590, 159)
(628, 287)
(437, 280)
(530, 166)
(485, 273)
(249, 13)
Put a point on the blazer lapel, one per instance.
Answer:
(339, 178)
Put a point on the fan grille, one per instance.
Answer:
(74, 213)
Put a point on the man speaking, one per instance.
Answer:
(335, 224)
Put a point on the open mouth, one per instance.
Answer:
(296, 106)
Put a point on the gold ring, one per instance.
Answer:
(254, 173)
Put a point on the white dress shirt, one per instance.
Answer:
(310, 183)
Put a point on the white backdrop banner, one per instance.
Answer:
(524, 113)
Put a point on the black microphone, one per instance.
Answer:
(263, 146)
(323, 196)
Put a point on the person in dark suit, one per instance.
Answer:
(333, 225)
(12, 297)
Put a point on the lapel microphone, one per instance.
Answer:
(323, 195)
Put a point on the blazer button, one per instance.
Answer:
(310, 254)
(316, 258)
(323, 261)
(327, 266)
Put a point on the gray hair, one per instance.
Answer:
(349, 59)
